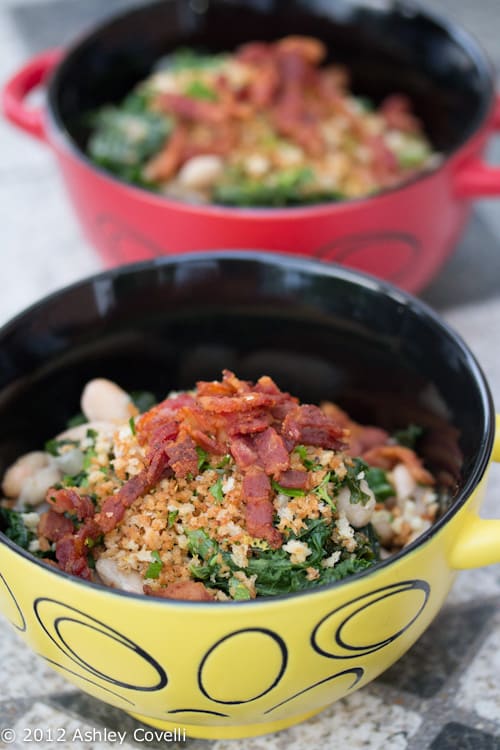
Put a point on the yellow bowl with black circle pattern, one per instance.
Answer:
(236, 669)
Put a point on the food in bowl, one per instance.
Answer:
(233, 490)
(267, 125)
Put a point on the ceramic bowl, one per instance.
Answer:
(243, 668)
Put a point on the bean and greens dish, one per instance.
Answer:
(271, 124)
(231, 491)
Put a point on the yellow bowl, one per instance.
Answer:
(227, 670)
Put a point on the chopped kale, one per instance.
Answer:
(237, 590)
(76, 421)
(379, 484)
(131, 423)
(13, 526)
(143, 400)
(54, 446)
(322, 491)
(123, 140)
(409, 436)
(185, 58)
(301, 451)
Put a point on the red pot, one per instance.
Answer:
(404, 234)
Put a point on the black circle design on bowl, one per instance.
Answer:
(52, 626)
(85, 679)
(21, 622)
(123, 241)
(358, 251)
(358, 673)
(197, 711)
(268, 641)
(374, 597)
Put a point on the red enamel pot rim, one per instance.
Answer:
(59, 136)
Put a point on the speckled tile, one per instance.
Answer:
(24, 673)
(480, 686)
(360, 722)
(43, 726)
(441, 651)
(456, 736)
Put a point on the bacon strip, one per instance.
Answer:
(307, 424)
(69, 501)
(387, 456)
(53, 526)
(295, 479)
(259, 510)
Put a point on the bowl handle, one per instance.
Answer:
(20, 85)
(474, 178)
(479, 542)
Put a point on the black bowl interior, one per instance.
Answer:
(321, 331)
(389, 46)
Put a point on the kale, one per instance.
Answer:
(53, 446)
(76, 420)
(124, 137)
(143, 400)
(289, 491)
(155, 566)
(185, 58)
(275, 573)
(379, 484)
(12, 525)
(203, 460)
(409, 436)
(287, 187)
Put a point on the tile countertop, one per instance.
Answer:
(445, 693)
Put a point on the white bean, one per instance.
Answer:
(403, 482)
(35, 487)
(70, 462)
(111, 575)
(381, 521)
(201, 172)
(358, 514)
(103, 400)
(21, 470)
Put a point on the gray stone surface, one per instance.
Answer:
(445, 694)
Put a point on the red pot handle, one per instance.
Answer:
(17, 88)
(475, 178)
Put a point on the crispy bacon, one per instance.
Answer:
(113, 508)
(307, 424)
(294, 479)
(69, 501)
(259, 522)
(387, 456)
(164, 165)
(189, 108)
(183, 457)
(361, 437)
(271, 451)
(192, 591)
(240, 403)
(72, 550)
(53, 526)
(396, 110)
(243, 452)
(256, 485)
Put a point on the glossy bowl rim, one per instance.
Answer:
(310, 267)
(62, 137)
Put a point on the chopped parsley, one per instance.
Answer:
(290, 491)
(301, 451)
(322, 491)
(131, 423)
(216, 491)
(203, 462)
(155, 566)
(199, 90)
(171, 518)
